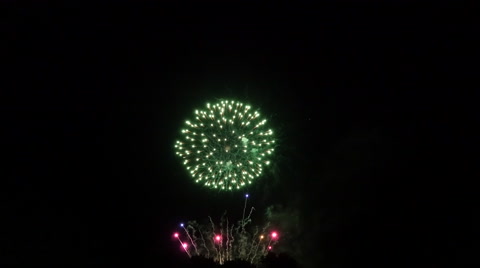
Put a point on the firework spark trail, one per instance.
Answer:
(268, 246)
(204, 243)
(222, 253)
(195, 238)
(191, 240)
(213, 231)
(243, 223)
(248, 218)
(255, 234)
(256, 250)
(273, 237)
(244, 236)
(222, 221)
(183, 245)
(229, 241)
(227, 244)
(244, 207)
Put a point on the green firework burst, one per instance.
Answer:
(226, 146)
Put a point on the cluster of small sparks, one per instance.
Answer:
(226, 146)
(226, 242)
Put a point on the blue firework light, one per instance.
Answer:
(226, 146)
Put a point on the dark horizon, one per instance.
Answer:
(371, 105)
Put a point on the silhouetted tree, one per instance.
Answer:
(281, 260)
(238, 264)
(199, 261)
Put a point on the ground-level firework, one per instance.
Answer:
(226, 146)
(227, 240)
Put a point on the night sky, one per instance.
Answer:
(372, 105)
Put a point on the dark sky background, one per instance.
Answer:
(372, 104)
